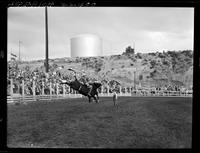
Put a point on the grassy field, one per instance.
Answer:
(136, 122)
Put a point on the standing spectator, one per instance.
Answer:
(114, 97)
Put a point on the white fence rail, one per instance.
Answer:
(19, 98)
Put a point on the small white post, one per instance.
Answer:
(120, 90)
(69, 91)
(50, 85)
(18, 86)
(75, 93)
(42, 88)
(64, 90)
(57, 89)
(33, 88)
(108, 90)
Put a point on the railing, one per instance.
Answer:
(67, 92)
(19, 98)
(161, 93)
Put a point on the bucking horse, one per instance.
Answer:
(84, 89)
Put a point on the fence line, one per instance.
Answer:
(104, 91)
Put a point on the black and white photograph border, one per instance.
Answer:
(101, 77)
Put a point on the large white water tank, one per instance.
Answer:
(86, 45)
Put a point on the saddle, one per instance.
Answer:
(84, 85)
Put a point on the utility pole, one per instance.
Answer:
(134, 80)
(46, 39)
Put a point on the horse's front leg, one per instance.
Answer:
(97, 97)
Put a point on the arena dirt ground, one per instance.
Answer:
(136, 122)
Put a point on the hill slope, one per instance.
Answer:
(174, 67)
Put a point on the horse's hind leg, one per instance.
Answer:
(96, 99)
(114, 100)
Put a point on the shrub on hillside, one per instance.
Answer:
(161, 55)
(153, 63)
(93, 63)
(165, 62)
(145, 62)
(138, 55)
(152, 54)
(187, 53)
(153, 74)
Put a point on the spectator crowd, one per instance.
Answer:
(42, 82)
(38, 77)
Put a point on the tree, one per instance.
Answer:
(129, 50)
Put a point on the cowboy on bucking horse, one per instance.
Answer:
(84, 85)
(85, 80)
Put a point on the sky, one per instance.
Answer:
(147, 29)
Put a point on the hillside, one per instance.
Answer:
(159, 68)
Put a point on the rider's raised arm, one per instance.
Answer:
(75, 76)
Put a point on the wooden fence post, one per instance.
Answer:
(33, 88)
(108, 90)
(57, 92)
(50, 85)
(75, 93)
(64, 90)
(18, 87)
(42, 88)
(69, 90)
